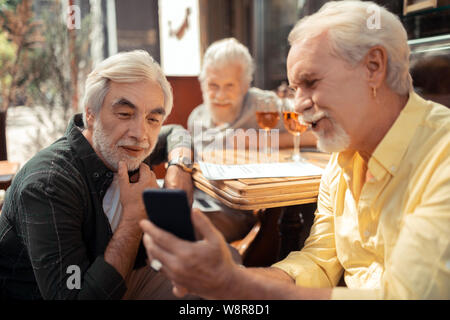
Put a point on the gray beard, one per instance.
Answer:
(111, 153)
(230, 115)
(339, 142)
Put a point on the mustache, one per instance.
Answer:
(215, 101)
(132, 143)
(314, 117)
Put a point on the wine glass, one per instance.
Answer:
(295, 125)
(268, 114)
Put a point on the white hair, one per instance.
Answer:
(351, 35)
(124, 67)
(225, 52)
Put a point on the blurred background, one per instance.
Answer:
(47, 48)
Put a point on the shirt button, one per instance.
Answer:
(366, 233)
(95, 175)
(109, 174)
(393, 168)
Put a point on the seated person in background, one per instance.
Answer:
(431, 78)
(72, 212)
(230, 103)
(383, 217)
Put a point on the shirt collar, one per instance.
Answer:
(390, 151)
(94, 167)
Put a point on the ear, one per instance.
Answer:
(90, 118)
(376, 66)
(245, 88)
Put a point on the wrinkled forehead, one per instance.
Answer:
(308, 53)
(230, 71)
(145, 94)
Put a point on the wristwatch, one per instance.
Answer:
(184, 163)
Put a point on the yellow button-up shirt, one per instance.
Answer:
(390, 233)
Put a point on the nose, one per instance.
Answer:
(138, 129)
(302, 101)
(221, 94)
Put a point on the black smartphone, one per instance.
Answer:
(169, 209)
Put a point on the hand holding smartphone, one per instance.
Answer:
(169, 210)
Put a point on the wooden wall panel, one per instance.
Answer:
(186, 96)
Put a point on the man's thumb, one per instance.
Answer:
(122, 173)
(203, 225)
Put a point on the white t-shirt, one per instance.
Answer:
(111, 203)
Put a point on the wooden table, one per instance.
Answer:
(280, 201)
(7, 172)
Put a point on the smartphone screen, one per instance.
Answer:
(204, 203)
(169, 209)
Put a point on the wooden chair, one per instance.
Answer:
(260, 246)
(7, 172)
(242, 245)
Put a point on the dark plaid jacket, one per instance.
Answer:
(53, 219)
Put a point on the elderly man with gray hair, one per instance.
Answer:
(230, 103)
(383, 217)
(69, 226)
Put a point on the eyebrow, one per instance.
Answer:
(305, 76)
(123, 101)
(159, 110)
(126, 102)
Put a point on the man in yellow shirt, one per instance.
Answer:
(383, 217)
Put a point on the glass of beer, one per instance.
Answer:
(267, 113)
(294, 124)
(267, 116)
